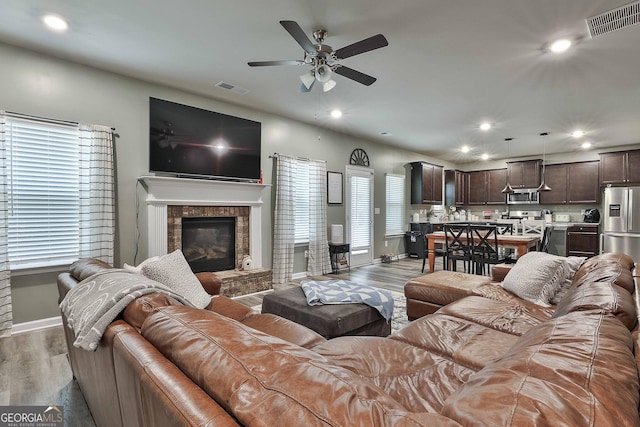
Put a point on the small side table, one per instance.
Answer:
(339, 254)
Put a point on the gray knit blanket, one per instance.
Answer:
(94, 303)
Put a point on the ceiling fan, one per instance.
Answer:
(324, 60)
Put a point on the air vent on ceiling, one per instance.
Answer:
(616, 19)
(233, 88)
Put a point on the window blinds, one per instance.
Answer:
(301, 201)
(43, 192)
(395, 204)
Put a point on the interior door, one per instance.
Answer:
(359, 211)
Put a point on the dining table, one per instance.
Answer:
(522, 244)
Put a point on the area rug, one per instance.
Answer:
(399, 311)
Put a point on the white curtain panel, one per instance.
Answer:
(97, 193)
(5, 285)
(284, 219)
(319, 262)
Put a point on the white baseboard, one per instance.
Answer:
(300, 275)
(35, 325)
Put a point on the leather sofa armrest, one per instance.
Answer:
(230, 308)
(210, 282)
(499, 271)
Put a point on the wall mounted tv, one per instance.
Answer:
(190, 141)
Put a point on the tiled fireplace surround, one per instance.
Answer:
(171, 199)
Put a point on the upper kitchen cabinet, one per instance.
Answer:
(621, 167)
(571, 183)
(582, 183)
(456, 187)
(426, 183)
(524, 174)
(555, 176)
(485, 187)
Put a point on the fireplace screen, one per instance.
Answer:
(209, 244)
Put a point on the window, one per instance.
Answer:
(301, 188)
(361, 214)
(395, 205)
(43, 192)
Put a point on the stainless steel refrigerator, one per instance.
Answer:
(621, 226)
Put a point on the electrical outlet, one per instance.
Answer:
(306, 253)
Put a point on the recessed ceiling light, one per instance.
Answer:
(55, 22)
(577, 134)
(559, 46)
(485, 156)
(485, 126)
(586, 145)
(336, 114)
(465, 149)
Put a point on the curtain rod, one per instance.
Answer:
(305, 159)
(47, 119)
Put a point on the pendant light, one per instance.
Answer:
(543, 185)
(507, 188)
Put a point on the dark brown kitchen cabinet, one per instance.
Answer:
(582, 240)
(485, 187)
(524, 174)
(582, 183)
(555, 176)
(426, 183)
(571, 183)
(456, 187)
(621, 167)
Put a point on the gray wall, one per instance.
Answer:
(41, 85)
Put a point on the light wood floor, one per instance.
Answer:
(34, 369)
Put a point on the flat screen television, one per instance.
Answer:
(190, 141)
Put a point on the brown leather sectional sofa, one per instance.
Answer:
(492, 360)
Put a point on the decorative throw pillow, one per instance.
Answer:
(536, 277)
(138, 269)
(172, 270)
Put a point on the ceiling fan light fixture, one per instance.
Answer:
(308, 79)
(327, 86)
(323, 73)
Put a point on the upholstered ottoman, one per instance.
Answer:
(426, 294)
(330, 321)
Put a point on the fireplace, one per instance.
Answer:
(208, 244)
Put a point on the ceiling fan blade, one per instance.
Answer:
(373, 42)
(269, 63)
(352, 74)
(298, 34)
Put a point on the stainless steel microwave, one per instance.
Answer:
(523, 196)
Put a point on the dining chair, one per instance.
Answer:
(437, 251)
(533, 227)
(515, 224)
(544, 243)
(457, 245)
(485, 250)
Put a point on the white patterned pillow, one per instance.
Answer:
(173, 271)
(536, 277)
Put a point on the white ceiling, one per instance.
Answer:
(450, 64)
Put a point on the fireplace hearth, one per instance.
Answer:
(208, 244)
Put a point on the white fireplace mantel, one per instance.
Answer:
(166, 191)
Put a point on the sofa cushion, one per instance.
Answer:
(604, 289)
(264, 380)
(536, 277)
(420, 380)
(172, 270)
(575, 371)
